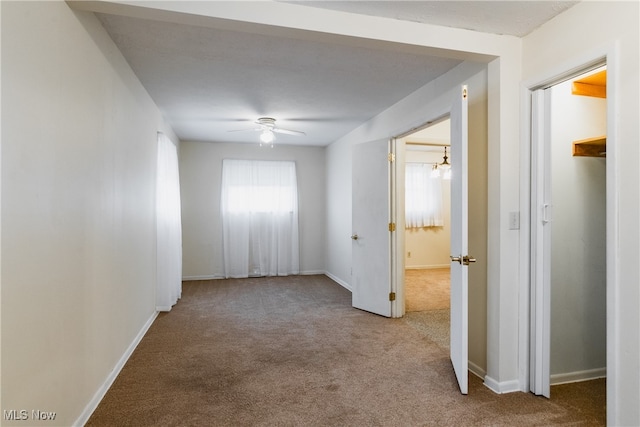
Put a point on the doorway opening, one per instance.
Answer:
(578, 237)
(459, 258)
(569, 278)
(427, 238)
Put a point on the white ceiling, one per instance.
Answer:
(209, 81)
(514, 17)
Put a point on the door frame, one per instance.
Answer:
(398, 210)
(605, 55)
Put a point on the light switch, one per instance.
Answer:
(514, 220)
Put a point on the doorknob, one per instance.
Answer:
(464, 260)
(354, 237)
(546, 213)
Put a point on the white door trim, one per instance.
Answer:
(396, 183)
(397, 212)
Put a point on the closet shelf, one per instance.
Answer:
(593, 85)
(591, 147)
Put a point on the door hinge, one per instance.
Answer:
(392, 296)
(391, 157)
(392, 226)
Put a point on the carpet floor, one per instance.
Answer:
(427, 289)
(291, 351)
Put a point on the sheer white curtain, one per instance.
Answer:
(259, 207)
(169, 226)
(423, 197)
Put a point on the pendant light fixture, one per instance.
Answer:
(445, 167)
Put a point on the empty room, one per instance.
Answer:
(203, 216)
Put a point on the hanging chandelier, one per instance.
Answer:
(445, 167)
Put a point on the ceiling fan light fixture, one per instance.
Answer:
(267, 128)
(267, 137)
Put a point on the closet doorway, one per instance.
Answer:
(569, 221)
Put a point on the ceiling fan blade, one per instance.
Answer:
(246, 130)
(288, 132)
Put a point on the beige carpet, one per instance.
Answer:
(293, 352)
(432, 324)
(427, 289)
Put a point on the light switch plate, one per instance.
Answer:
(514, 220)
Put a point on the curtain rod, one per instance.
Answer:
(427, 144)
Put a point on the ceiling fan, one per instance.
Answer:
(267, 128)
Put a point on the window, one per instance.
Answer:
(261, 198)
(423, 197)
(260, 218)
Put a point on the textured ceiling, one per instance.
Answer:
(516, 17)
(210, 81)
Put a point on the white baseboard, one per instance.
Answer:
(426, 267)
(574, 377)
(476, 370)
(501, 387)
(189, 278)
(216, 277)
(339, 281)
(97, 397)
(302, 273)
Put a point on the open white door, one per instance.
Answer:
(460, 258)
(371, 255)
(540, 357)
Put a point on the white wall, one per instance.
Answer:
(78, 209)
(578, 243)
(429, 246)
(596, 29)
(338, 213)
(200, 181)
(430, 102)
